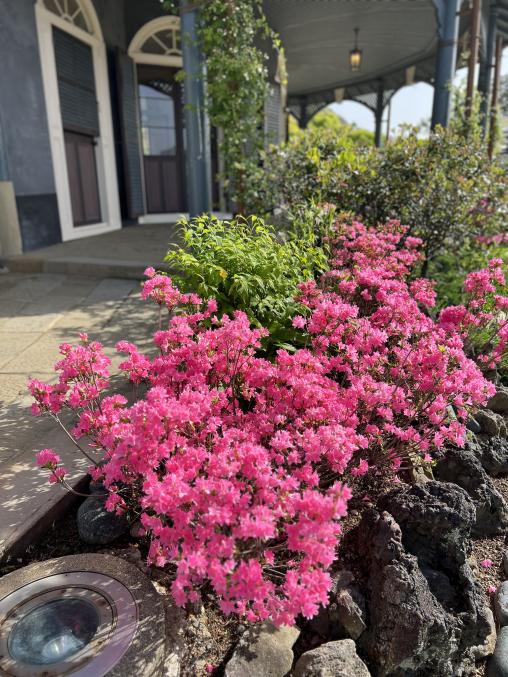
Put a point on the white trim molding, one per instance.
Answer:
(105, 148)
(169, 44)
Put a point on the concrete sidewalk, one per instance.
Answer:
(37, 313)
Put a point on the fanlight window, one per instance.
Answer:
(158, 42)
(165, 43)
(71, 11)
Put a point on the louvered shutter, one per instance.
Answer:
(76, 84)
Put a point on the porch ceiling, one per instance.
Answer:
(318, 35)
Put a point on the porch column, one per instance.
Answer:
(495, 95)
(486, 67)
(379, 113)
(473, 54)
(445, 63)
(303, 112)
(199, 189)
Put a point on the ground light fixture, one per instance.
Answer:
(83, 615)
(355, 55)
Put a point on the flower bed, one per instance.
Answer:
(240, 467)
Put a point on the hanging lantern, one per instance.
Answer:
(355, 56)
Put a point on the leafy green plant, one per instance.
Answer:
(245, 266)
(237, 84)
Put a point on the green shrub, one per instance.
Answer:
(313, 167)
(245, 266)
(444, 187)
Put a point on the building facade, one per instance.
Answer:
(92, 119)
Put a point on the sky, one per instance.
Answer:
(410, 105)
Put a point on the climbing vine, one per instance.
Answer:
(237, 82)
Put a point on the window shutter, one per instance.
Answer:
(76, 84)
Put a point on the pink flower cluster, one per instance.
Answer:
(237, 463)
(409, 379)
(482, 321)
(497, 239)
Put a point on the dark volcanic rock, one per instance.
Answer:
(491, 424)
(499, 402)
(424, 615)
(463, 467)
(493, 454)
(96, 525)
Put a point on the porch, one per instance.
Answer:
(123, 253)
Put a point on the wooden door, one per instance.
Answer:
(83, 183)
(162, 140)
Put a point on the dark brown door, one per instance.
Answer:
(162, 139)
(83, 184)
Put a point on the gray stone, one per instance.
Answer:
(462, 467)
(487, 648)
(498, 664)
(499, 402)
(334, 659)
(425, 614)
(501, 604)
(473, 425)
(96, 525)
(350, 612)
(505, 563)
(491, 424)
(344, 617)
(263, 650)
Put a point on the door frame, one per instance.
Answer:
(173, 60)
(105, 148)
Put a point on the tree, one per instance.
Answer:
(328, 119)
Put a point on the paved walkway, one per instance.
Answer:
(37, 313)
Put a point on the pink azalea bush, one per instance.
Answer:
(482, 320)
(236, 464)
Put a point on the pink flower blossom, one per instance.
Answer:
(486, 563)
(299, 322)
(47, 458)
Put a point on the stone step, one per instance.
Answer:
(89, 267)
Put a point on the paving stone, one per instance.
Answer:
(31, 287)
(12, 344)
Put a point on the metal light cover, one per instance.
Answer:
(355, 56)
(79, 622)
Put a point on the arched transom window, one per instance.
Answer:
(158, 42)
(71, 11)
